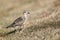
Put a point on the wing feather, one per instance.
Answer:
(18, 22)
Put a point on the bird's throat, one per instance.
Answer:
(26, 16)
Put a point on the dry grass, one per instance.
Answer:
(43, 23)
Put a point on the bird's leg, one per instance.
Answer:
(21, 31)
(21, 28)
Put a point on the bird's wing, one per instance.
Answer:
(18, 21)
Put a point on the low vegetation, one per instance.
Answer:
(43, 23)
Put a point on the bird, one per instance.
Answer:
(20, 20)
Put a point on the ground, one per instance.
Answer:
(43, 22)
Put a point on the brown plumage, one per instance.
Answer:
(20, 21)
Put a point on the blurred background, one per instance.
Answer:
(11, 9)
(42, 11)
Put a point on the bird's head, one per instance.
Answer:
(26, 12)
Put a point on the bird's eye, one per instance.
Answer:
(24, 12)
(28, 13)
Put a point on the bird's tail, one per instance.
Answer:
(9, 26)
(12, 25)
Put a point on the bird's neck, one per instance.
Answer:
(25, 16)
